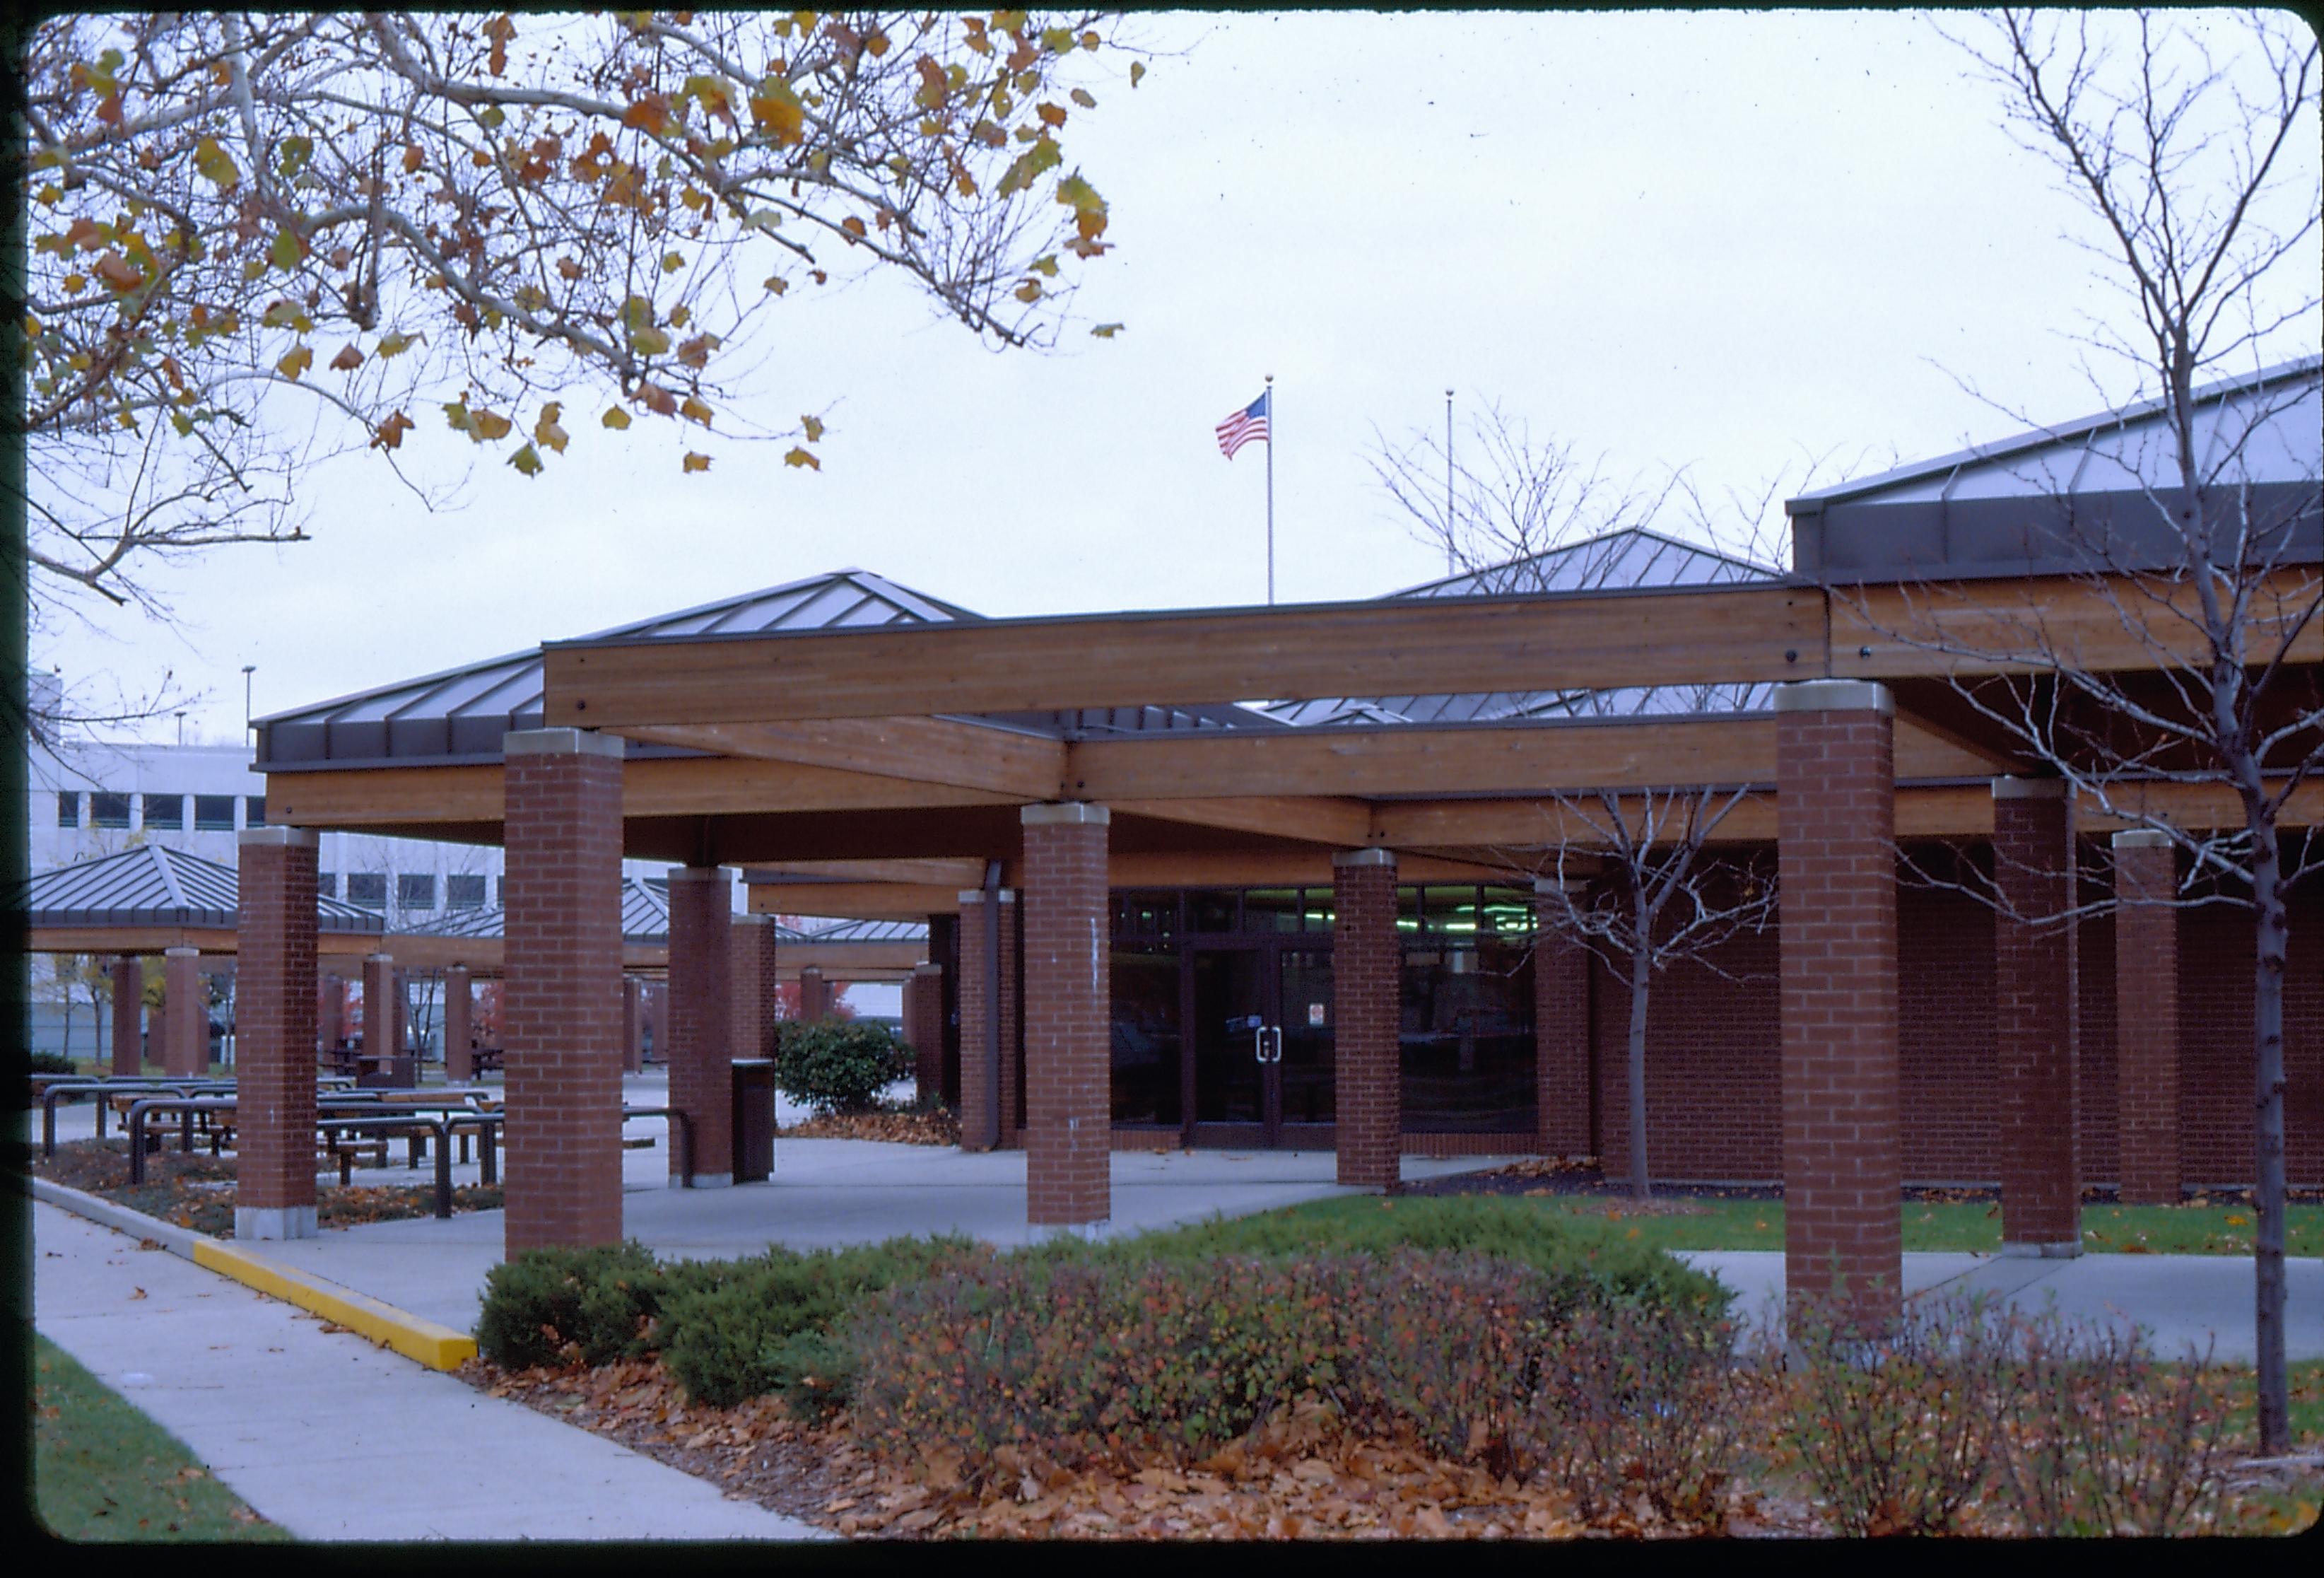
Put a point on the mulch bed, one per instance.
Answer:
(895, 1128)
(1585, 1178)
(196, 1191)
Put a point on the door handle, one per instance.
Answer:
(1259, 1043)
(1275, 1048)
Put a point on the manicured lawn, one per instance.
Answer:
(1972, 1225)
(102, 1470)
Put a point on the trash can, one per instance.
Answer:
(754, 1119)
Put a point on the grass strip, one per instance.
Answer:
(102, 1471)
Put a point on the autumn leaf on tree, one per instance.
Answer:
(798, 456)
(697, 462)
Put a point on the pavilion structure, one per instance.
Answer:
(863, 749)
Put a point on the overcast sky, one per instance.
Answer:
(1724, 242)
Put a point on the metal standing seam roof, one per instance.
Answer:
(645, 916)
(155, 885)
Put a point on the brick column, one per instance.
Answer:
(924, 1029)
(459, 1026)
(755, 992)
(1843, 1173)
(1069, 1016)
(377, 1036)
(657, 1017)
(704, 943)
(274, 1037)
(561, 1000)
(1367, 994)
(2147, 1015)
(2033, 981)
(128, 1018)
(632, 1024)
(184, 1009)
(815, 994)
(1561, 1027)
(986, 1080)
(330, 1012)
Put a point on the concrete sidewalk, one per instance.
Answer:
(334, 1439)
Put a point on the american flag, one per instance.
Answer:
(1241, 428)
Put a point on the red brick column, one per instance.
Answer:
(2147, 1015)
(988, 1094)
(924, 1029)
(704, 945)
(183, 1008)
(815, 994)
(1068, 1016)
(1843, 1172)
(1561, 1027)
(1367, 991)
(330, 1014)
(459, 1026)
(561, 1002)
(2033, 981)
(756, 991)
(657, 1014)
(378, 1035)
(128, 1018)
(274, 1036)
(632, 1023)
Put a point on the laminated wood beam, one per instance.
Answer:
(923, 749)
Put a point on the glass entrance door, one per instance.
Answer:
(1261, 1023)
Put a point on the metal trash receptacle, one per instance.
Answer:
(754, 1119)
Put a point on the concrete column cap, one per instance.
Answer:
(701, 873)
(2142, 838)
(1836, 696)
(747, 919)
(278, 838)
(999, 895)
(379, 958)
(2007, 787)
(1064, 813)
(928, 969)
(561, 743)
(816, 970)
(182, 952)
(1364, 857)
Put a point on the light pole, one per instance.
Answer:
(247, 670)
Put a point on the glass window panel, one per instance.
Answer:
(368, 889)
(1212, 909)
(1467, 1038)
(1270, 909)
(67, 808)
(254, 811)
(1148, 1047)
(1506, 912)
(1408, 909)
(464, 893)
(1452, 911)
(327, 884)
(1137, 914)
(213, 813)
(165, 811)
(415, 890)
(1322, 912)
(108, 810)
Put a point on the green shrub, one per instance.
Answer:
(838, 1066)
(545, 1304)
(48, 1063)
(751, 1327)
(1082, 1357)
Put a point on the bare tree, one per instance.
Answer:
(2186, 660)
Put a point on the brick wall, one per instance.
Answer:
(459, 1026)
(561, 1002)
(1367, 985)
(128, 1018)
(1714, 1063)
(699, 1013)
(274, 1037)
(924, 1029)
(634, 1021)
(1562, 1026)
(1842, 1157)
(1068, 1025)
(2034, 988)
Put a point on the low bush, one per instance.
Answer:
(2099, 1437)
(746, 1328)
(48, 1063)
(838, 1066)
(1637, 1400)
(555, 1306)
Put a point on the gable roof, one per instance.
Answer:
(155, 885)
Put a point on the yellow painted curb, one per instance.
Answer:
(436, 1347)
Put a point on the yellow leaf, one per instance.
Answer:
(777, 283)
(490, 425)
(649, 341)
(395, 344)
(697, 462)
(547, 431)
(813, 428)
(1106, 331)
(295, 362)
(1136, 70)
(412, 159)
(216, 165)
(1051, 115)
(778, 110)
(1030, 290)
(616, 419)
(673, 262)
(693, 409)
(1081, 96)
(527, 461)
(853, 226)
(798, 456)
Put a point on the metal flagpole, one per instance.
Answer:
(1270, 490)
(1448, 481)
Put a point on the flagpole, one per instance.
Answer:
(1270, 489)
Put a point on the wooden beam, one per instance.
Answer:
(924, 750)
(854, 900)
(1343, 823)
(941, 873)
(1532, 824)
(849, 961)
(1419, 759)
(1257, 869)
(2004, 625)
(1431, 646)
